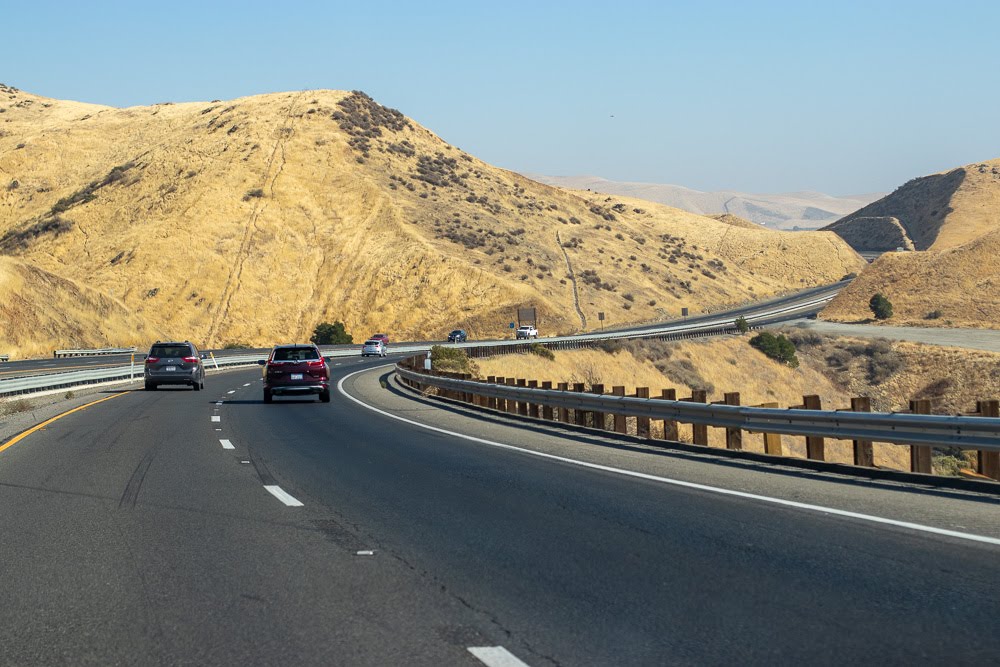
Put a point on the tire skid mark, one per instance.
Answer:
(131, 494)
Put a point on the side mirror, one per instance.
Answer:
(261, 362)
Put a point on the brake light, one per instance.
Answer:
(152, 360)
(190, 360)
(315, 364)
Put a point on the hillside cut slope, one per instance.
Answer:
(935, 212)
(252, 220)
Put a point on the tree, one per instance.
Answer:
(331, 334)
(881, 306)
(741, 324)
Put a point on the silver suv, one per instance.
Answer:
(174, 363)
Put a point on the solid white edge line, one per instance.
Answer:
(667, 480)
(496, 656)
(282, 495)
(226, 444)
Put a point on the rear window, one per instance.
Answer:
(373, 342)
(296, 354)
(170, 351)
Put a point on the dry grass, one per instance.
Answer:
(177, 243)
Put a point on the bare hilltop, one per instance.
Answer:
(948, 274)
(252, 220)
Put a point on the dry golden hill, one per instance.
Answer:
(958, 287)
(734, 220)
(935, 212)
(252, 220)
(37, 307)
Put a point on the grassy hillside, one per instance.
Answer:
(253, 220)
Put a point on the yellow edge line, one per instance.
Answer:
(21, 436)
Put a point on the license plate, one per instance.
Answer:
(170, 368)
(296, 376)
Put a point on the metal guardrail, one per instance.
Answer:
(4, 357)
(911, 429)
(58, 354)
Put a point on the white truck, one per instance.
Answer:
(526, 331)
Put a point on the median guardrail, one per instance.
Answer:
(58, 354)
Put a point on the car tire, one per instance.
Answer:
(267, 395)
(196, 386)
(150, 386)
(324, 396)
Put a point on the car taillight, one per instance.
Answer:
(315, 364)
(152, 360)
(190, 360)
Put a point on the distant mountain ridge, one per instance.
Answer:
(805, 210)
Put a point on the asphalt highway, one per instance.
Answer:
(180, 527)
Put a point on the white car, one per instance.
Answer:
(373, 348)
(527, 331)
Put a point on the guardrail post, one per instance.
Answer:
(864, 455)
(815, 446)
(734, 436)
(563, 412)
(512, 407)
(490, 401)
(547, 409)
(533, 407)
(920, 455)
(670, 431)
(642, 423)
(597, 418)
(579, 416)
(988, 462)
(699, 432)
(501, 403)
(772, 441)
(522, 406)
(620, 425)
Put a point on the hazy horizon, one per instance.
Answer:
(779, 97)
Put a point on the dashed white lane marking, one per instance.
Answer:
(218, 402)
(667, 480)
(247, 384)
(226, 444)
(496, 656)
(216, 418)
(231, 392)
(282, 495)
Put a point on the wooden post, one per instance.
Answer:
(563, 412)
(772, 441)
(522, 406)
(547, 409)
(669, 425)
(597, 418)
(619, 420)
(920, 455)
(699, 432)
(734, 436)
(864, 455)
(642, 423)
(989, 462)
(579, 416)
(500, 403)
(511, 403)
(815, 445)
(533, 407)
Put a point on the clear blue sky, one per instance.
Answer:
(842, 97)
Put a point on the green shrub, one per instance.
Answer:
(741, 324)
(452, 360)
(331, 334)
(542, 351)
(777, 347)
(881, 306)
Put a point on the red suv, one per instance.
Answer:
(296, 369)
